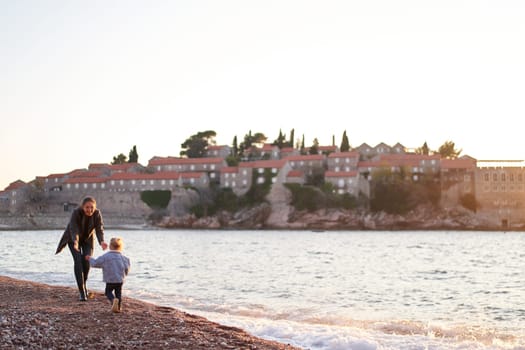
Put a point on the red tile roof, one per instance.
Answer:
(229, 169)
(305, 157)
(287, 150)
(268, 147)
(162, 175)
(53, 176)
(84, 173)
(341, 174)
(194, 175)
(264, 164)
(216, 147)
(82, 180)
(98, 166)
(123, 166)
(458, 164)
(327, 148)
(352, 154)
(295, 173)
(176, 161)
(15, 185)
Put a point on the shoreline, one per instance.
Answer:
(35, 315)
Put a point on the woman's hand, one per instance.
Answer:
(104, 245)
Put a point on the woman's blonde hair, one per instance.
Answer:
(116, 243)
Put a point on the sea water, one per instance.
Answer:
(317, 290)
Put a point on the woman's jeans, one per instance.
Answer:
(81, 266)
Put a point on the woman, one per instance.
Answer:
(79, 236)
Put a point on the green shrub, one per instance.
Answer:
(469, 202)
(156, 199)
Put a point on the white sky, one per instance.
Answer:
(81, 81)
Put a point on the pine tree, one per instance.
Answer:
(315, 147)
(235, 147)
(345, 145)
(302, 150)
(133, 155)
(292, 136)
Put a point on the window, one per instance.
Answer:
(121, 182)
(341, 183)
(433, 162)
(226, 175)
(350, 181)
(503, 177)
(336, 160)
(503, 188)
(171, 182)
(260, 170)
(192, 180)
(94, 185)
(301, 162)
(68, 186)
(347, 160)
(466, 188)
(192, 167)
(205, 166)
(132, 182)
(466, 178)
(244, 182)
(273, 180)
(486, 177)
(143, 182)
(212, 167)
(293, 163)
(260, 180)
(76, 185)
(494, 177)
(212, 175)
(511, 177)
(245, 172)
(233, 184)
(274, 170)
(103, 185)
(486, 188)
(226, 184)
(85, 185)
(159, 168)
(163, 182)
(151, 182)
(494, 188)
(520, 177)
(234, 175)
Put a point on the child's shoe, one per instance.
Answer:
(115, 308)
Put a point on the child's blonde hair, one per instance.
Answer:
(116, 243)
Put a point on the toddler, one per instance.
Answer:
(115, 267)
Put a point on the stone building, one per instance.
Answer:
(457, 180)
(343, 161)
(500, 191)
(211, 166)
(350, 182)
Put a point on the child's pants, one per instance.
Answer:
(117, 287)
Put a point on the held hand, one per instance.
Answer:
(87, 257)
(104, 245)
